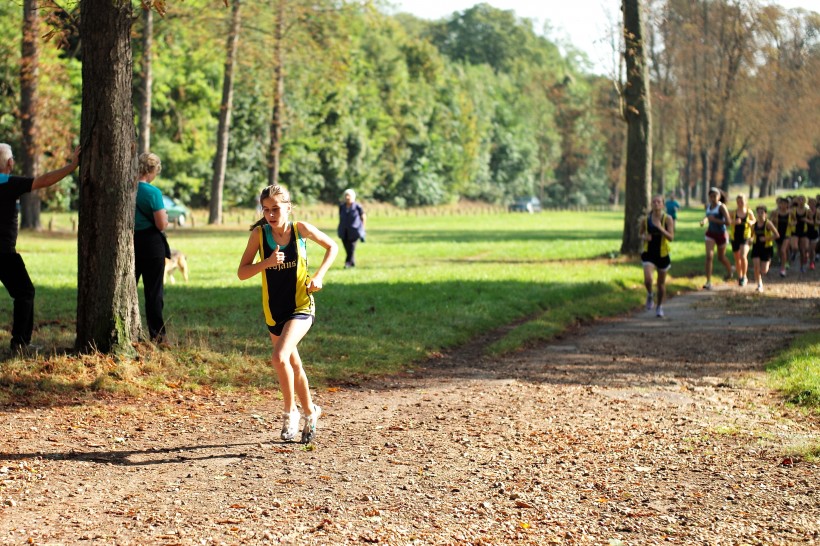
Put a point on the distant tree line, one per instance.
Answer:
(327, 95)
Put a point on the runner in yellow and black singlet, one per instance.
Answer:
(764, 235)
(800, 232)
(284, 287)
(657, 232)
(287, 299)
(781, 218)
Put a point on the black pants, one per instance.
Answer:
(149, 261)
(15, 278)
(350, 248)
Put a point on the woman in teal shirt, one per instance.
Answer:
(150, 245)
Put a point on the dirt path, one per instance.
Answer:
(635, 430)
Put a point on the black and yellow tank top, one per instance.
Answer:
(658, 245)
(760, 232)
(784, 226)
(284, 288)
(800, 226)
(744, 229)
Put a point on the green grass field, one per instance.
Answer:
(423, 284)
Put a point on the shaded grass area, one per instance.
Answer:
(422, 286)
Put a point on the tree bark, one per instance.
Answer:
(146, 85)
(704, 175)
(687, 168)
(275, 149)
(765, 179)
(223, 132)
(29, 76)
(107, 306)
(638, 119)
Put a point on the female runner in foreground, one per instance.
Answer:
(657, 231)
(287, 298)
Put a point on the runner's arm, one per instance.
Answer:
(313, 233)
(773, 229)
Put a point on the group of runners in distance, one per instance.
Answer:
(793, 229)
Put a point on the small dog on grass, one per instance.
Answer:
(176, 262)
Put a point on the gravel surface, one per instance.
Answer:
(635, 430)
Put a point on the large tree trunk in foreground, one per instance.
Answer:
(637, 115)
(107, 306)
(30, 149)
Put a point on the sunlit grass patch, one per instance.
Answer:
(796, 372)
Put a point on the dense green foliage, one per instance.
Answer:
(407, 111)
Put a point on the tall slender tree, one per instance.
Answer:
(29, 75)
(225, 109)
(147, 81)
(275, 147)
(107, 306)
(638, 118)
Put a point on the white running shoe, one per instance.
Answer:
(707, 286)
(290, 426)
(309, 431)
(649, 301)
(760, 288)
(659, 311)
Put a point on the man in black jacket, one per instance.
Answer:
(13, 272)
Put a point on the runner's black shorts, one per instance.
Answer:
(277, 329)
(764, 253)
(663, 264)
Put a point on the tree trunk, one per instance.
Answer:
(30, 149)
(765, 179)
(687, 169)
(728, 164)
(639, 138)
(715, 160)
(147, 83)
(278, 96)
(752, 176)
(704, 175)
(107, 306)
(223, 132)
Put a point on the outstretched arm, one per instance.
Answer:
(52, 177)
(773, 229)
(669, 232)
(331, 249)
(726, 215)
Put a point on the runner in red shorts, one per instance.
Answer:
(717, 215)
